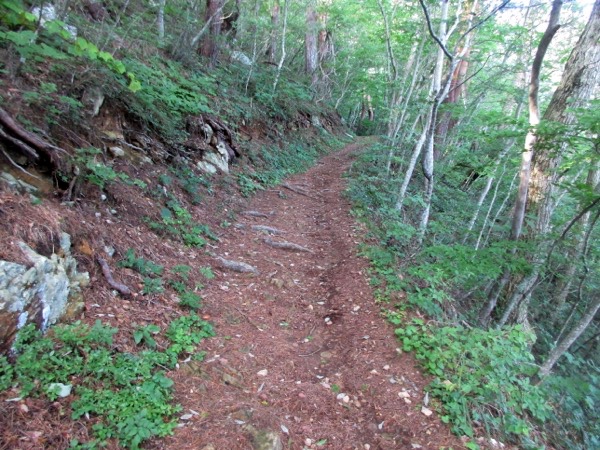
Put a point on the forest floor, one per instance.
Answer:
(302, 358)
(303, 355)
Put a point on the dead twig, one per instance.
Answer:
(119, 287)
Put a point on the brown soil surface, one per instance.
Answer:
(302, 352)
(302, 348)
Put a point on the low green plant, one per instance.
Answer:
(128, 396)
(53, 41)
(145, 335)
(152, 286)
(190, 300)
(207, 273)
(142, 266)
(480, 376)
(186, 332)
(177, 221)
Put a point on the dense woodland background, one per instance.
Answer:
(482, 197)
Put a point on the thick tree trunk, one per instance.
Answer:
(578, 83)
(213, 17)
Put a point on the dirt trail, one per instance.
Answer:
(302, 354)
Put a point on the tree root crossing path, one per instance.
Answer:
(303, 357)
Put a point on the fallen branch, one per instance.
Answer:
(119, 287)
(236, 266)
(285, 245)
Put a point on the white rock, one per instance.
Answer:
(403, 394)
(206, 167)
(62, 390)
(426, 411)
(241, 57)
(262, 373)
(117, 152)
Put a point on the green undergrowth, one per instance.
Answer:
(483, 378)
(480, 377)
(271, 164)
(121, 396)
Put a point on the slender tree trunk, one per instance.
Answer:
(570, 338)
(283, 55)
(311, 55)
(397, 120)
(272, 49)
(525, 170)
(578, 83)
(161, 20)
(564, 286)
(534, 120)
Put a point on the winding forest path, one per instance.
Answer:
(303, 357)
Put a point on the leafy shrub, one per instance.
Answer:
(140, 265)
(480, 376)
(126, 395)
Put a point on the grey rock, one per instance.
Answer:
(206, 167)
(217, 160)
(43, 293)
(264, 439)
(17, 185)
(116, 152)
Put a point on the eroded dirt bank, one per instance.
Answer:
(303, 357)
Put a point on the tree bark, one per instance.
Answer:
(272, 49)
(570, 338)
(311, 43)
(213, 17)
(578, 83)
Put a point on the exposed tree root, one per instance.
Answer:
(261, 228)
(267, 229)
(28, 143)
(285, 245)
(236, 266)
(255, 214)
(298, 190)
(119, 287)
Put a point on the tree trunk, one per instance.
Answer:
(213, 17)
(161, 20)
(570, 338)
(311, 43)
(578, 83)
(272, 49)
(534, 120)
(283, 54)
